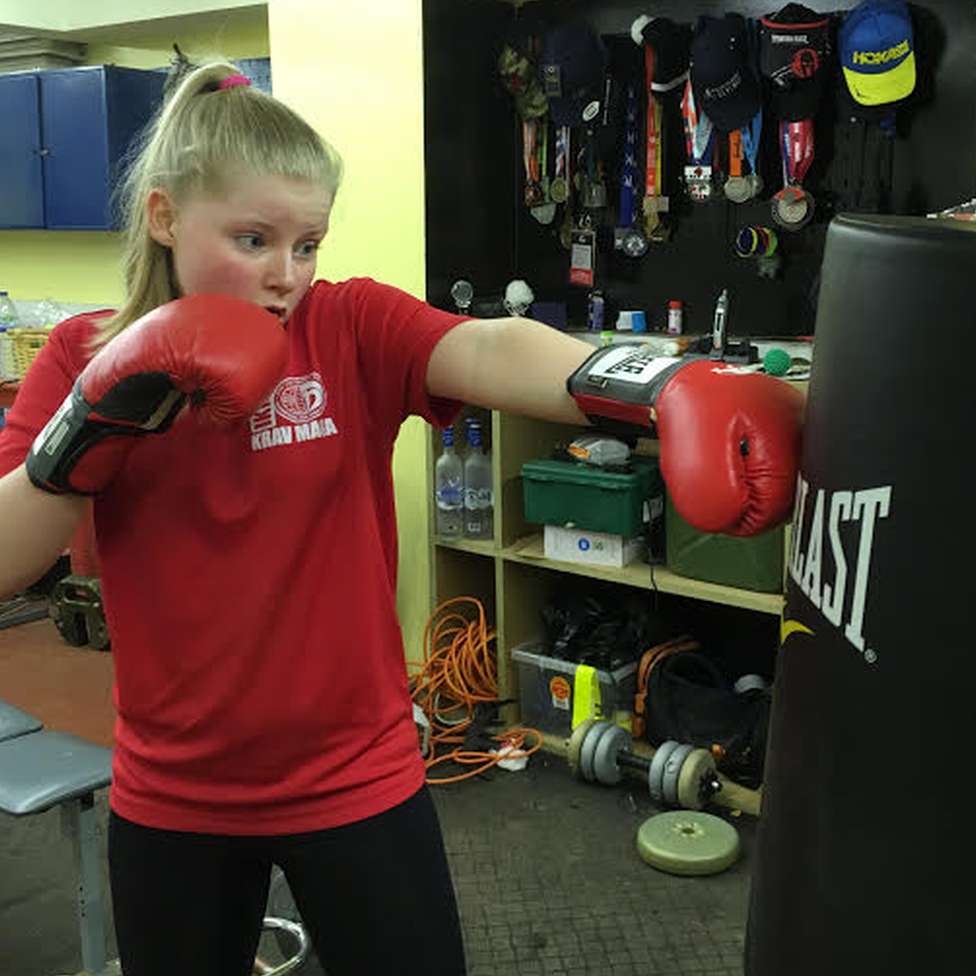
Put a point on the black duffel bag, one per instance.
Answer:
(688, 698)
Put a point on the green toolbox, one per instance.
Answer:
(754, 563)
(588, 497)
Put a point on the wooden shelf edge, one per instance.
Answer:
(530, 551)
(481, 548)
(733, 796)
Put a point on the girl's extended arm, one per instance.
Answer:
(512, 364)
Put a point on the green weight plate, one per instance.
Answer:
(575, 744)
(655, 774)
(672, 770)
(588, 747)
(611, 744)
(688, 843)
(699, 764)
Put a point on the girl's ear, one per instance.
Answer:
(160, 216)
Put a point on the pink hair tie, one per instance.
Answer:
(232, 80)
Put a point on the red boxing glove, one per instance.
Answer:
(224, 354)
(730, 438)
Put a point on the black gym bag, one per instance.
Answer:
(690, 699)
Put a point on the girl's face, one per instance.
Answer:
(256, 240)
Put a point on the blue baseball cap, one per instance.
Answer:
(877, 52)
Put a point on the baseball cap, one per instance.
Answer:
(794, 46)
(877, 52)
(572, 65)
(671, 43)
(725, 86)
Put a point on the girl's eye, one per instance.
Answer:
(307, 249)
(250, 241)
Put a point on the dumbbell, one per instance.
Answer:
(678, 774)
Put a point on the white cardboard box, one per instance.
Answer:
(595, 548)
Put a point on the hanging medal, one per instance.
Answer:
(744, 154)
(655, 202)
(545, 211)
(793, 206)
(627, 237)
(533, 191)
(736, 186)
(559, 187)
(699, 138)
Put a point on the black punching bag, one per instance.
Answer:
(866, 847)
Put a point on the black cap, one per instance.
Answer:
(672, 49)
(794, 52)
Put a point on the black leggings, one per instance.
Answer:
(375, 896)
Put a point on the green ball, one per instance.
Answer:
(777, 361)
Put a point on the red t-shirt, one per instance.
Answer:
(249, 579)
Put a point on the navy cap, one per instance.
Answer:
(724, 83)
(572, 67)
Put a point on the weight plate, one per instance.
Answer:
(688, 843)
(655, 774)
(605, 768)
(575, 743)
(672, 770)
(592, 737)
(699, 765)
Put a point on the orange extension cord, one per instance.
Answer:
(459, 670)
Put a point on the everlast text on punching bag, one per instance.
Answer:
(867, 839)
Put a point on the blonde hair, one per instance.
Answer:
(199, 134)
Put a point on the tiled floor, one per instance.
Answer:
(548, 879)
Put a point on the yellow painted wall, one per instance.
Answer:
(84, 266)
(355, 71)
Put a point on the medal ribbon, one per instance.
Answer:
(562, 152)
(699, 131)
(796, 148)
(529, 160)
(542, 154)
(751, 135)
(627, 209)
(735, 153)
(652, 161)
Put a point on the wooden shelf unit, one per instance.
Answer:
(511, 576)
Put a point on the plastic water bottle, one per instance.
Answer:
(8, 320)
(449, 490)
(479, 498)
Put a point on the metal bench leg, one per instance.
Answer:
(78, 823)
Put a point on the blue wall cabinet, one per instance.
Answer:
(64, 138)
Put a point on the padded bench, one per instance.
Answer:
(41, 769)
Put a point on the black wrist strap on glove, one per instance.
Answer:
(617, 386)
(148, 405)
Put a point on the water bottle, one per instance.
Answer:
(449, 490)
(8, 320)
(479, 499)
